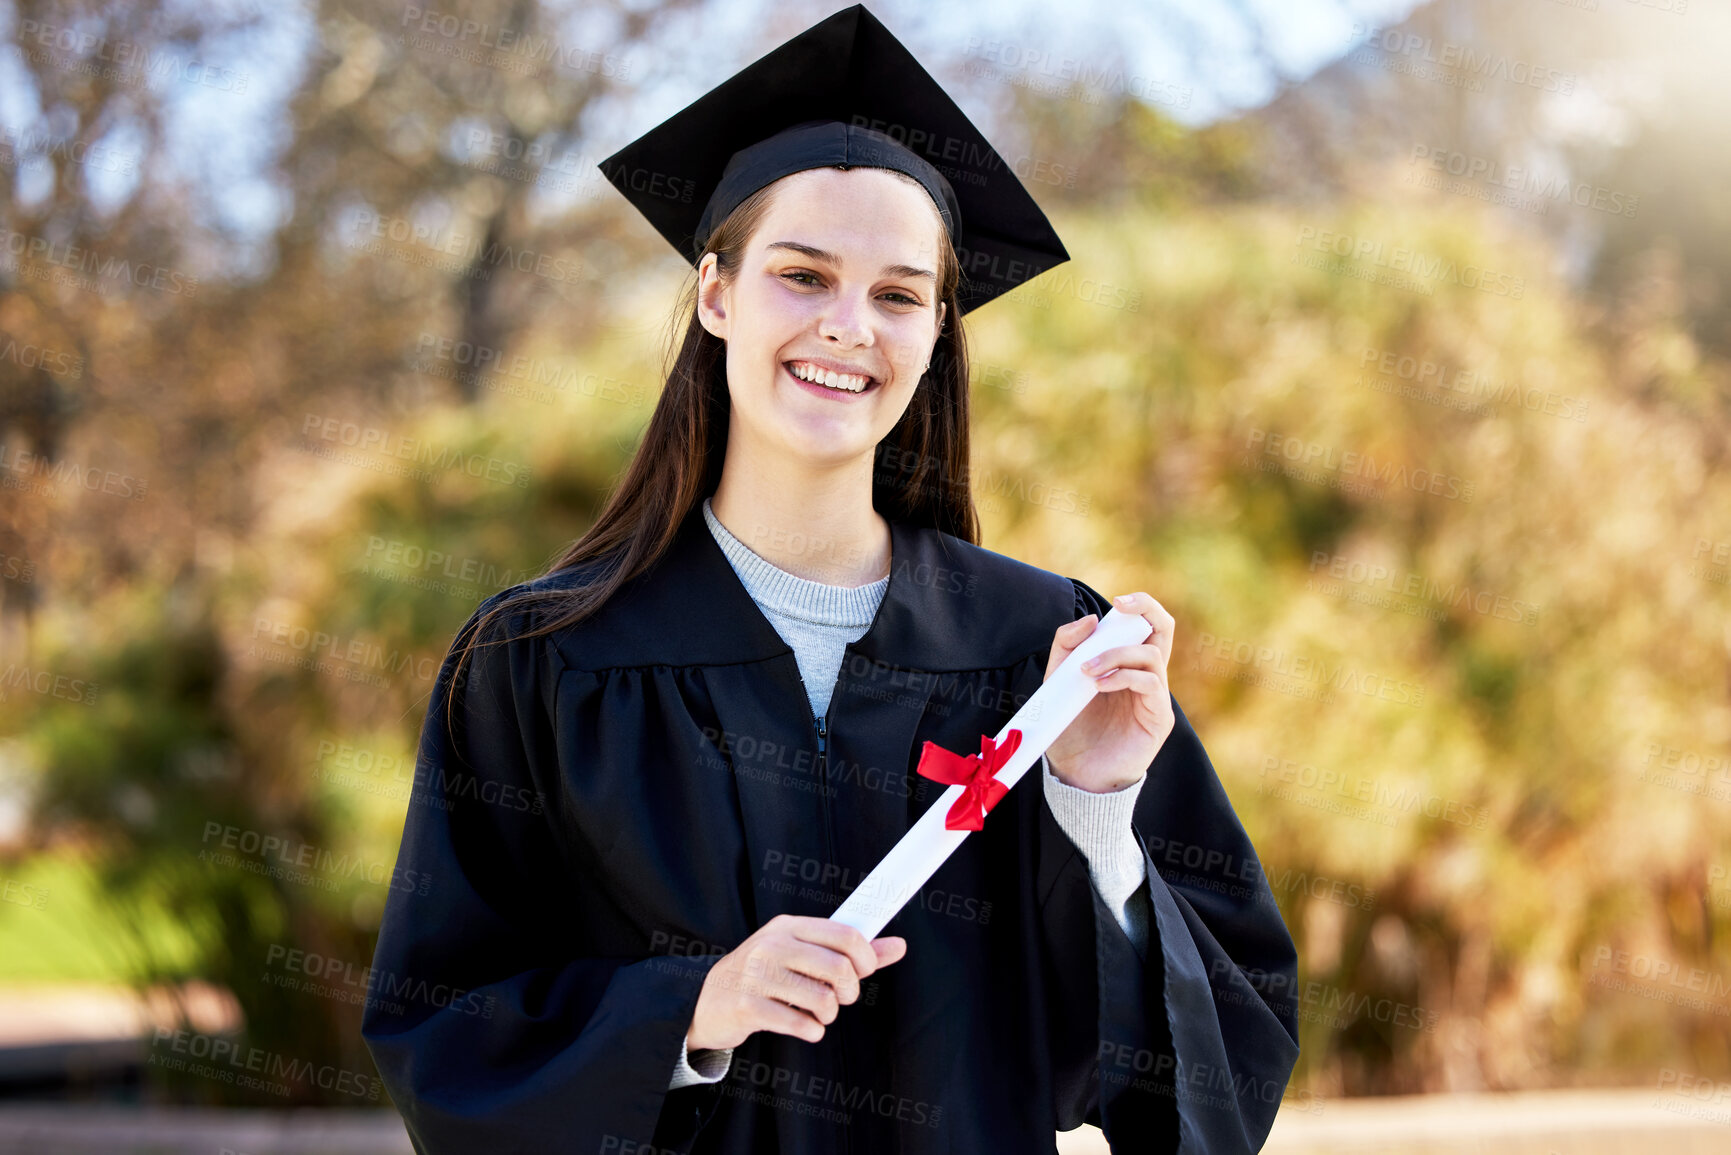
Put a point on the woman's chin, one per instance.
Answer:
(820, 441)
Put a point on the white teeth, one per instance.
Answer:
(850, 382)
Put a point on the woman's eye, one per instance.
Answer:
(812, 279)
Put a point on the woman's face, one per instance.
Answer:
(840, 276)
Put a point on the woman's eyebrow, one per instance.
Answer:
(830, 258)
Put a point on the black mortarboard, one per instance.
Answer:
(843, 92)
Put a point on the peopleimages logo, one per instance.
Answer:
(357, 658)
(1325, 459)
(303, 862)
(228, 1061)
(421, 452)
(1400, 259)
(344, 981)
(1524, 180)
(103, 270)
(1377, 794)
(1469, 62)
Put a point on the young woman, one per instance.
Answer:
(647, 777)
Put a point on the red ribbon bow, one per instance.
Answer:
(977, 772)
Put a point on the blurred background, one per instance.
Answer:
(1393, 359)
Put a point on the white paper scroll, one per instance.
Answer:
(928, 842)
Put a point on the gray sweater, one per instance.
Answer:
(818, 621)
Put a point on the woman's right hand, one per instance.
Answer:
(791, 976)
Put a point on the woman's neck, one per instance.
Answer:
(829, 535)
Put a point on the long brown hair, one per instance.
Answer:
(921, 477)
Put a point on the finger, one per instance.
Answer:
(837, 936)
(1067, 638)
(892, 948)
(806, 993)
(1164, 624)
(767, 970)
(786, 1020)
(826, 966)
(1148, 683)
(1139, 656)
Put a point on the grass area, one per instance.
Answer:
(55, 926)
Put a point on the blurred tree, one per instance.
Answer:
(183, 346)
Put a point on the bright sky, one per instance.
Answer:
(1198, 62)
(1211, 48)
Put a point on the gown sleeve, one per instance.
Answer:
(1190, 1049)
(573, 1047)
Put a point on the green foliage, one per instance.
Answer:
(1510, 657)
(141, 788)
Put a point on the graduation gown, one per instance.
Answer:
(629, 798)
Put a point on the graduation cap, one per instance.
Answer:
(843, 92)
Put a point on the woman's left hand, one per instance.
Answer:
(1115, 737)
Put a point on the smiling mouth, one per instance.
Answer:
(827, 379)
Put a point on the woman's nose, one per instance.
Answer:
(845, 321)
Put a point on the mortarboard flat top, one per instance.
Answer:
(846, 68)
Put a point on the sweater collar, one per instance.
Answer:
(780, 592)
(949, 605)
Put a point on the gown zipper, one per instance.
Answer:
(821, 725)
(822, 756)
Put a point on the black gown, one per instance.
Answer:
(629, 798)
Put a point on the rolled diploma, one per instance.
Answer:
(1046, 714)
